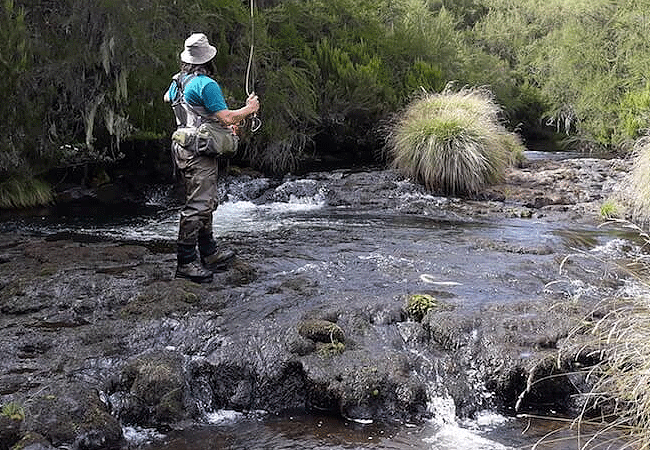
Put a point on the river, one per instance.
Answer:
(357, 255)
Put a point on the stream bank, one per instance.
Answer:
(98, 335)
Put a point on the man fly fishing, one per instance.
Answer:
(206, 131)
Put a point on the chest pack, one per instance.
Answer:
(196, 131)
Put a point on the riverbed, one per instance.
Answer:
(346, 247)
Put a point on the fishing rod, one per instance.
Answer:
(256, 123)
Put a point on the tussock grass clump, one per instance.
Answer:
(622, 378)
(620, 381)
(21, 192)
(453, 142)
(639, 182)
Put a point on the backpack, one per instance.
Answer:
(210, 138)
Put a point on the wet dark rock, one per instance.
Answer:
(9, 431)
(86, 318)
(297, 189)
(511, 348)
(74, 416)
(360, 386)
(240, 273)
(33, 441)
(321, 331)
(151, 391)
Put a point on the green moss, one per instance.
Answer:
(330, 349)
(418, 305)
(321, 331)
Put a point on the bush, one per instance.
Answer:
(587, 60)
(453, 142)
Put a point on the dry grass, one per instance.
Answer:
(453, 142)
(639, 185)
(620, 341)
(20, 192)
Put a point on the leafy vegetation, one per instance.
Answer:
(83, 76)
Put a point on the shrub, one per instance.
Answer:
(453, 142)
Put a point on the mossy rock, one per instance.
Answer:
(321, 331)
(330, 349)
(152, 389)
(418, 305)
(32, 441)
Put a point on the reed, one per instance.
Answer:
(453, 142)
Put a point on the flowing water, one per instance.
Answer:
(354, 252)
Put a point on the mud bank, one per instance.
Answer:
(97, 334)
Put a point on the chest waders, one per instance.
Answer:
(200, 177)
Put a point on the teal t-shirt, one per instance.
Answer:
(202, 91)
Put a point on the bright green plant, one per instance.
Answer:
(13, 411)
(453, 142)
(610, 209)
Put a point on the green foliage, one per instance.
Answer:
(635, 112)
(14, 62)
(87, 74)
(453, 142)
(588, 60)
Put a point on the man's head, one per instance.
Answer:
(197, 50)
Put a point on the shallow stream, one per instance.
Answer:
(348, 255)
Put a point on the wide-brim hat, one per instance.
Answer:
(197, 49)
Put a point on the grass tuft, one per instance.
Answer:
(617, 336)
(21, 192)
(453, 142)
(639, 185)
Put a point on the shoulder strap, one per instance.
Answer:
(181, 81)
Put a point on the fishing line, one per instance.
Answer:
(256, 123)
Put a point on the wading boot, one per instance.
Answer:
(218, 260)
(194, 272)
